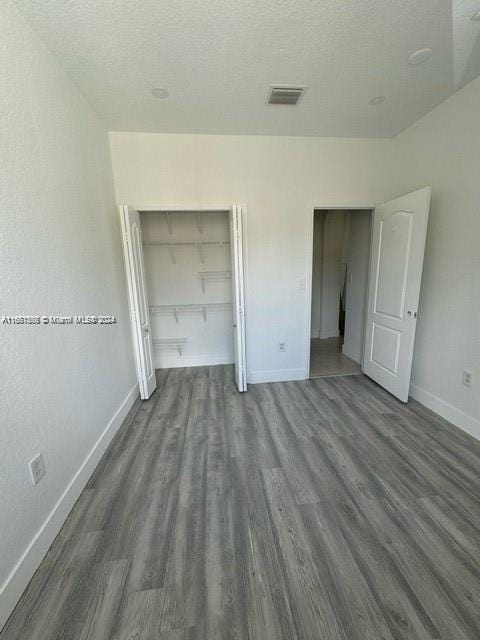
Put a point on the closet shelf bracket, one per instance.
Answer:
(199, 222)
(169, 222)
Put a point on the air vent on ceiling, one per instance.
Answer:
(285, 95)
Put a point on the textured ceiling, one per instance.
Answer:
(217, 58)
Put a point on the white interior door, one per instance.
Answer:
(236, 236)
(138, 300)
(396, 261)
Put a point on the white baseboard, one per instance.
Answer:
(446, 410)
(334, 333)
(276, 375)
(174, 361)
(30, 560)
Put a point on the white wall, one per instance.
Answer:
(177, 282)
(333, 240)
(358, 251)
(443, 150)
(60, 254)
(280, 179)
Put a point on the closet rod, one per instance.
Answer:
(186, 243)
(213, 276)
(198, 244)
(197, 214)
(170, 344)
(177, 309)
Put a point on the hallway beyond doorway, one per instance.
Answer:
(327, 359)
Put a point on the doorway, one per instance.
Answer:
(382, 275)
(185, 272)
(340, 261)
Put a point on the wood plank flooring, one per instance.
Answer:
(322, 509)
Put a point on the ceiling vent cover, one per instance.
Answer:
(285, 95)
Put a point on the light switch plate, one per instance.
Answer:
(37, 468)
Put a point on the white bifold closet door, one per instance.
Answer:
(238, 290)
(396, 261)
(138, 301)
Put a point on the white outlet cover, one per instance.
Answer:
(37, 468)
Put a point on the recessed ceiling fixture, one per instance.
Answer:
(289, 95)
(160, 93)
(377, 100)
(420, 56)
(476, 17)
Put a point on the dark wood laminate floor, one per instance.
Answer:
(322, 509)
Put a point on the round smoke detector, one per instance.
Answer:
(420, 56)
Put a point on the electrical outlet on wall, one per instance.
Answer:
(467, 378)
(282, 346)
(37, 468)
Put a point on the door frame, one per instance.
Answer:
(363, 206)
(219, 208)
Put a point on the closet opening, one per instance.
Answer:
(185, 272)
(340, 265)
